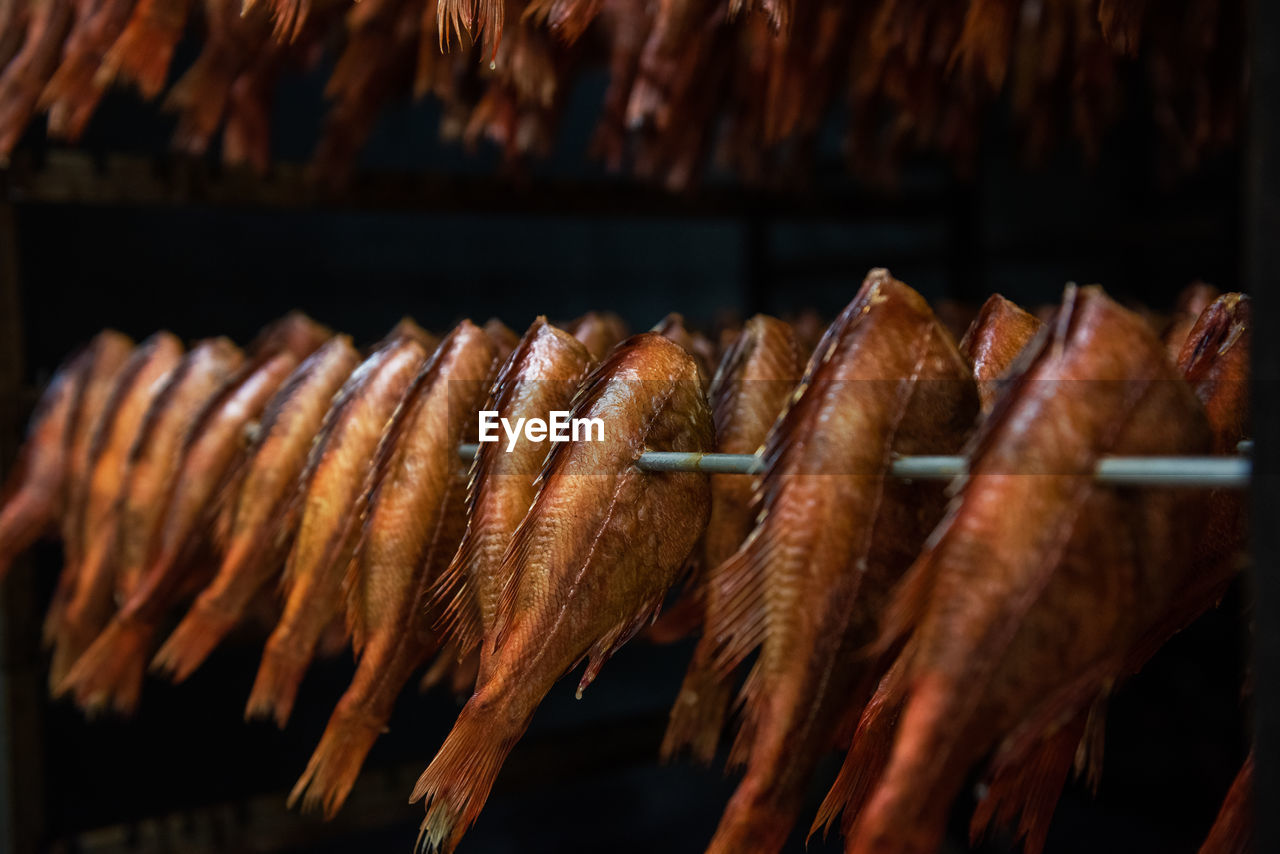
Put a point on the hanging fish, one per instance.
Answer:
(835, 533)
(90, 600)
(1012, 627)
(590, 565)
(751, 387)
(416, 516)
(501, 336)
(672, 327)
(110, 674)
(598, 331)
(266, 509)
(334, 478)
(1233, 830)
(992, 343)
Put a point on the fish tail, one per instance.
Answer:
(109, 674)
(142, 54)
(337, 760)
(907, 811)
(753, 821)
(22, 520)
(72, 638)
(457, 782)
(697, 718)
(200, 631)
(284, 662)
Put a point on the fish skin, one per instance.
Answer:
(35, 491)
(1191, 303)
(834, 536)
(591, 563)
(599, 332)
(109, 672)
(1233, 829)
(265, 511)
(1215, 360)
(417, 513)
(294, 333)
(107, 354)
(752, 385)
(992, 343)
(502, 337)
(542, 374)
(210, 455)
(1012, 628)
(91, 601)
(673, 328)
(334, 477)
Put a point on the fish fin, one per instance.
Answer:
(686, 614)
(276, 686)
(336, 762)
(1233, 829)
(738, 627)
(458, 781)
(749, 706)
(698, 716)
(867, 756)
(109, 674)
(454, 597)
(200, 631)
(604, 648)
(1028, 788)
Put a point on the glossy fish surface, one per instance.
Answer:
(590, 564)
(992, 344)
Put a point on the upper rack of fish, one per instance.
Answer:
(947, 557)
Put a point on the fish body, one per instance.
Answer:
(1191, 303)
(502, 337)
(1215, 360)
(1233, 829)
(90, 601)
(414, 523)
(542, 374)
(992, 343)
(590, 564)
(752, 385)
(835, 533)
(1024, 604)
(35, 492)
(598, 331)
(109, 673)
(337, 467)
(265, 510)
(673, 328)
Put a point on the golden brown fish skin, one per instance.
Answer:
(599, 332)
(591, 563)
(109, 673)
(210, 454)
(107, 354)
(751, 387)
(157, 453)
(1215, 360)
(992, 343)
(1019, 626)
(834, 536)
(502, 337)
(1191, 303)
(91, 600)
(265, 511)
(35, 492)
(337, 466)
(541, 375)
(416, 517)
(294, 333)
(672, 327)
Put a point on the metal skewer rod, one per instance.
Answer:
(1204, 472)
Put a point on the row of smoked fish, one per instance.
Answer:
(748, 84)
(927, 630)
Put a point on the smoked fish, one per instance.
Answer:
(1011, 627)
(541, 375)
(1215, 360)
(211, 453)
(265, 511)
(589, 565)
(835, 534)
(992, 343)
(329, 524)
(672, 327)
(416, 517)
(1191, 303)
(502, 337)
(109, 673)
(35, 491)
(1232, 831)
(91, 600)
(752, 385)
(599, 332)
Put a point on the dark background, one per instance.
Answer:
(187, 774)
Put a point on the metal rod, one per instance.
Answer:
(1205, 472)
